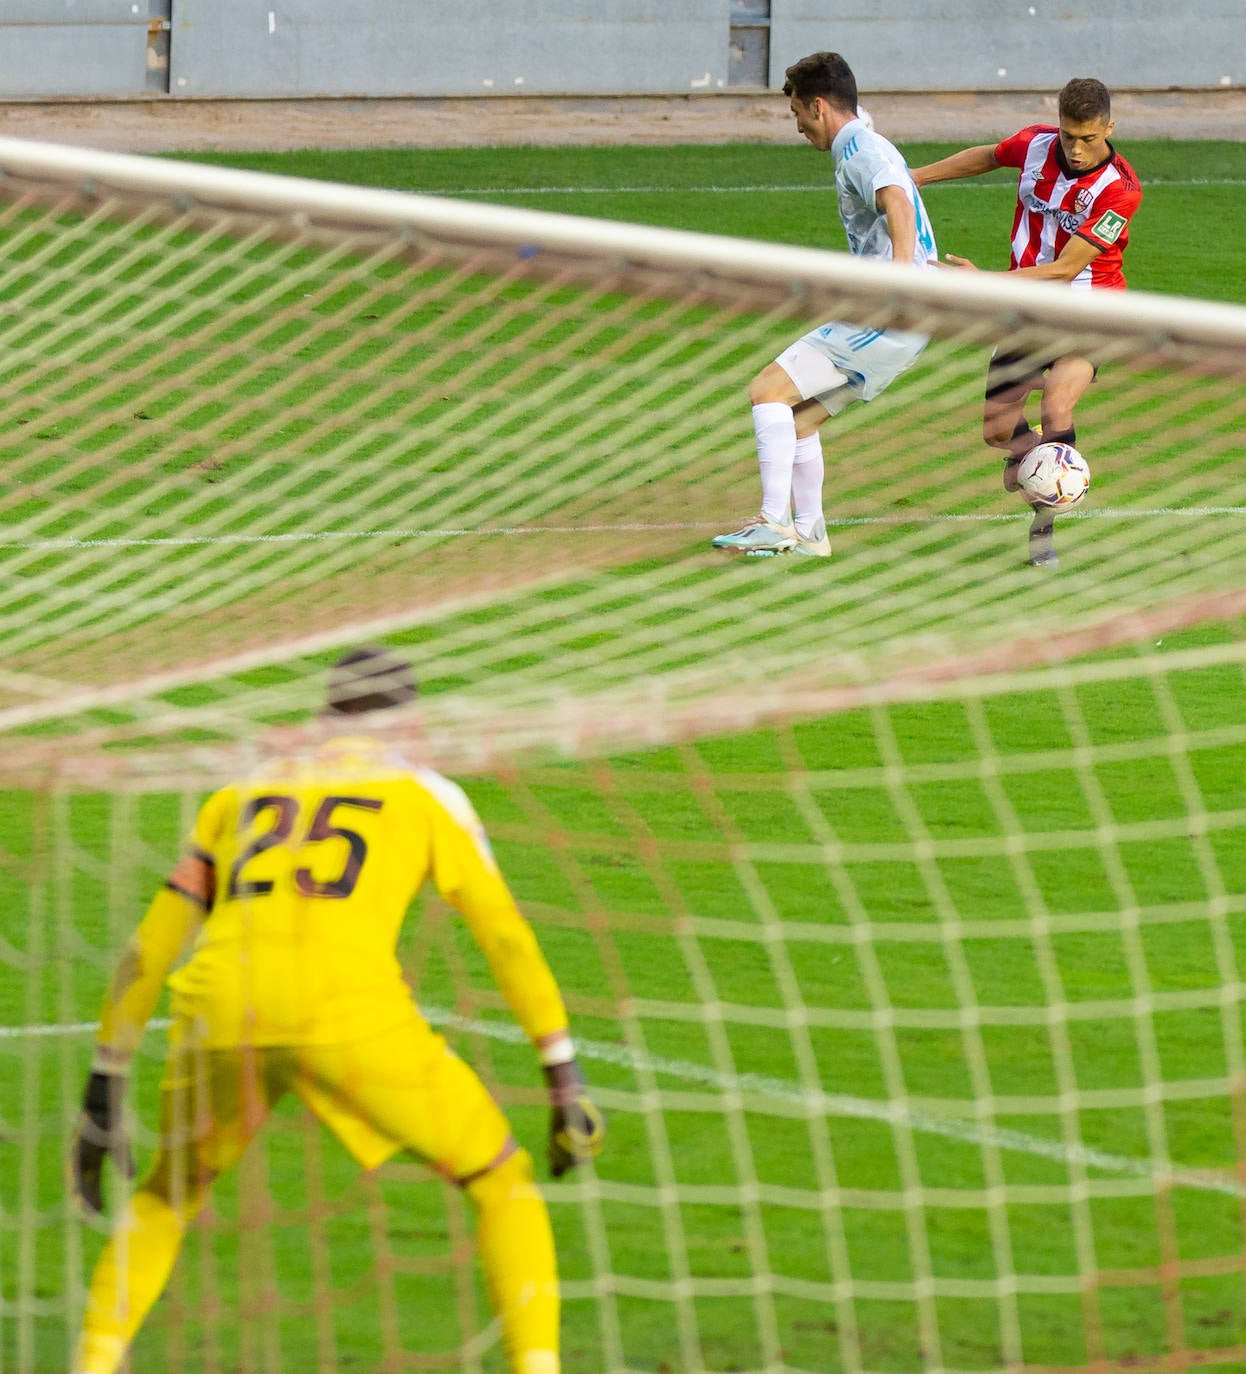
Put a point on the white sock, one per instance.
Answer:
(807, 473)
(775, 427)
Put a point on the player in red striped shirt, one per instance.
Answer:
(1076, 197)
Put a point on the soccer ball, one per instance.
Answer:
(1054, 475)
(865, 117)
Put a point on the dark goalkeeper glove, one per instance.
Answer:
(577, 1129)
(100, 1133)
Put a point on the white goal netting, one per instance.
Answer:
(899, 900)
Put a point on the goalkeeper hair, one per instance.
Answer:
(368, 679)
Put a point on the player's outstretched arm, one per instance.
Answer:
(969, 162)
(1077, 254)
(1075, 257)
(577, 1127)
(171, 920)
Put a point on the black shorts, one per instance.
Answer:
(1009, 370)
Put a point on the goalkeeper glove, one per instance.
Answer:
(577, 1129)
(100, 1132)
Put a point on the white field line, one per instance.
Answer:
(785, 1090)
(768, 186)
(311, 536)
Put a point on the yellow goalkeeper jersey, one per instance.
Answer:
(305, 874)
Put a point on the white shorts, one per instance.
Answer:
(837, 364)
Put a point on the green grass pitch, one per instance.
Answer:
(724, 835)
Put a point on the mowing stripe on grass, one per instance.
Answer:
(768, 186)
(311, 536)
(785, 1090)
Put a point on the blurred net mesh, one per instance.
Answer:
(899, 901)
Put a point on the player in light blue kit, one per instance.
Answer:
(835, 364)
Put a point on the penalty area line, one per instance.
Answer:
(754, 1085)
(634, 527)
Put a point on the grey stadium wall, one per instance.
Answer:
(321, 48)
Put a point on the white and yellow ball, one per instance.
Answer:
(1054, 475)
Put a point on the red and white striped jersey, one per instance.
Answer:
(1053, 205)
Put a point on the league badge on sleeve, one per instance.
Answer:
(1108, 226)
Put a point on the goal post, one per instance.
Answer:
(899, 900)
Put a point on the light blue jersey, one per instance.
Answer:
(865, 162)
(839, 363)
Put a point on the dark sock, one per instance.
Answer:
(1022, 440)
(1020, 443)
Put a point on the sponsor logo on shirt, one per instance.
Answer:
(1108, 226)
(1069, 220)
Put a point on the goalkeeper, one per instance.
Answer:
(294, 887)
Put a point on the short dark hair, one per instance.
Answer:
(824, 74)
(1084, 99)
(368, 679)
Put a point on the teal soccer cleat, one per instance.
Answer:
(757, 535)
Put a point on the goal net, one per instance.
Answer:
(899, 900)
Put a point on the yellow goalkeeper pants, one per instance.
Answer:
(402, 1089)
